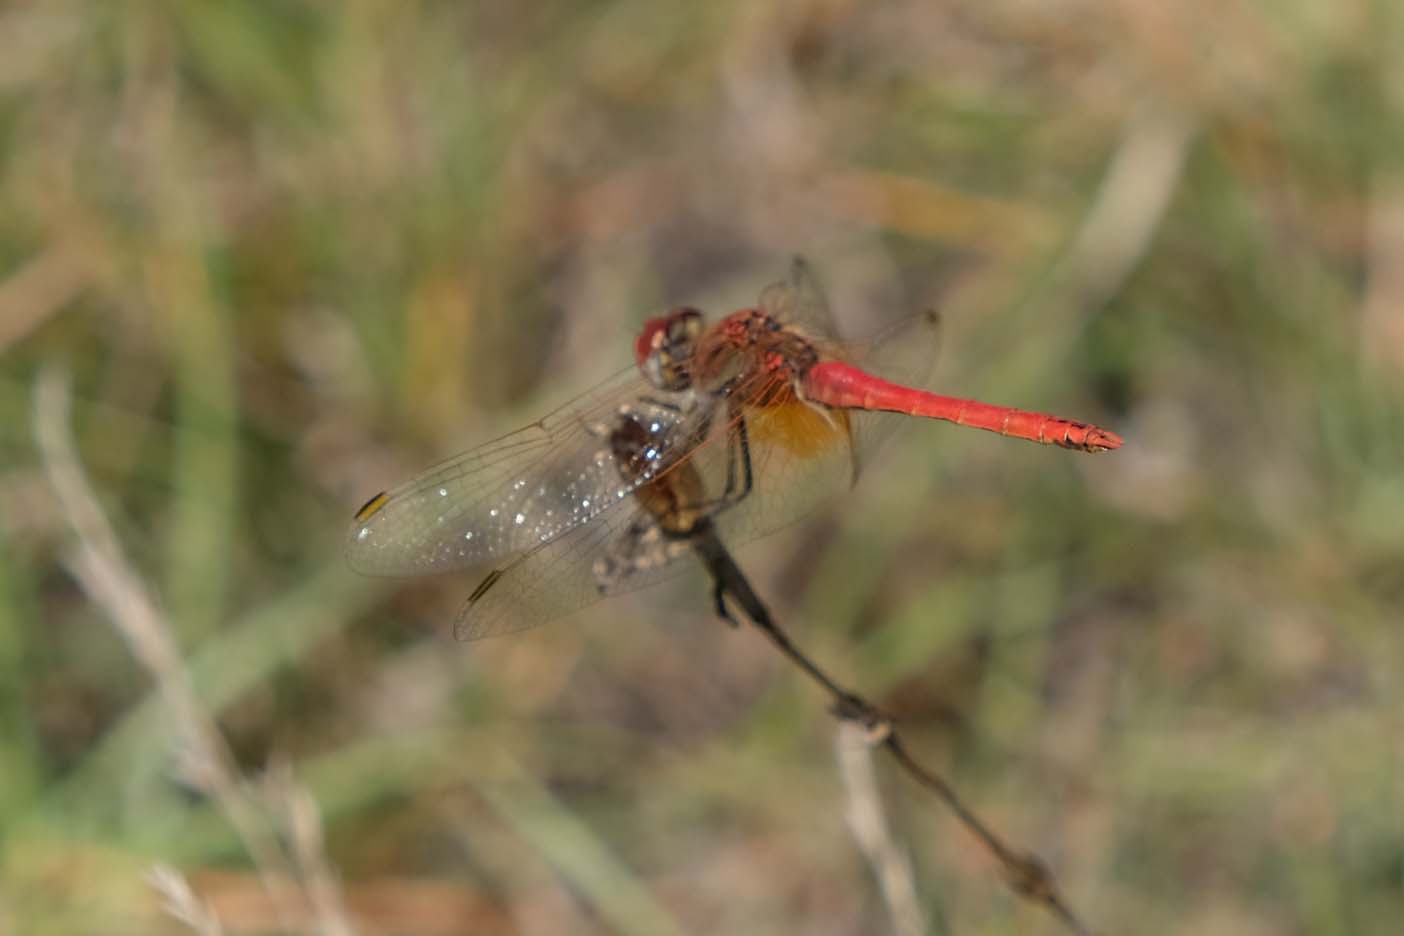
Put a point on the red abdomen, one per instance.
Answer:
(840, 385)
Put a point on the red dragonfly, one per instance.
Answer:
(736, 429)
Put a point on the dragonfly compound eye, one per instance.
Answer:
(684, 326)
(665, 347)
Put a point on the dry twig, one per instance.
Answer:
(868, 822)
(101, 568)
(1025, 873)
(180, 902)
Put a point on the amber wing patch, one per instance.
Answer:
(800, 429)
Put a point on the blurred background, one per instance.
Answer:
(284, 255)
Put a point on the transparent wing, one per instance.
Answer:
(903, 351)
(799, 300)
(505, 497)
(558, 578)
(555, 579)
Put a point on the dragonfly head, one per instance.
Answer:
(665, 347)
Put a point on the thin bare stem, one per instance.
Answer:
(1026, 874)
(101, 568)
(302, 819)
(180, 903)
(868, 822)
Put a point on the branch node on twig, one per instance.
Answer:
(1029, 876)
(851, 708)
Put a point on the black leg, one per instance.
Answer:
(738, 450)
(719, 596)
(743, 441)
(661, 404)
(730, 489)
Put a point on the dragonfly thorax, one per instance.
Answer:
(752, 356)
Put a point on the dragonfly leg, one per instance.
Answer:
(730, 468)
(738, 453)
(662, 404)
(743, 441)
(719, 598)
(642, 546)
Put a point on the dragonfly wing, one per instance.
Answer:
(557, 578)
(624, 550)
(800, 300)
(505, 497)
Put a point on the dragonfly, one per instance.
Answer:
(721, 432)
